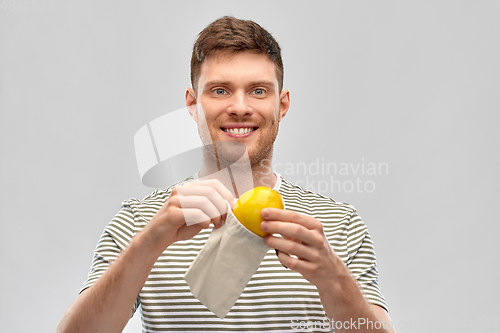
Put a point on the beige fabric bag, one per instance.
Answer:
(222, 269)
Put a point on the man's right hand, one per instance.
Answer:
(190, 208)
(106, 305)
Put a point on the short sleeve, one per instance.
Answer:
(113, 240)
(362, 261)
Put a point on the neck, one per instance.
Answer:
(240, 175)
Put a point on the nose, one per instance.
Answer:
(239, 105)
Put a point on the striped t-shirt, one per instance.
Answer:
(275, 299)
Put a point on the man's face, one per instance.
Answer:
(238, 100)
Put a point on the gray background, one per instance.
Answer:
(413, 85)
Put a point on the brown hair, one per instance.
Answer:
(229, 34)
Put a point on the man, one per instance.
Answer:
(325, 267)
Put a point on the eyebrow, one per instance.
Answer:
(263, 83)
(227, 83)
(216, 83)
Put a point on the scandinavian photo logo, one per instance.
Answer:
(323, 176)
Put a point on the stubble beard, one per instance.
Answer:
(225, 153)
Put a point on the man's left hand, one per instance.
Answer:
(303, 237)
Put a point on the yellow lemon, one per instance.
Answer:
(248, 207)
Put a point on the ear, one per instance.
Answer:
(284, 103)
(191, 103)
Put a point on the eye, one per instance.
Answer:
(219, 91)
(259, 92)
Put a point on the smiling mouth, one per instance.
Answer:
(239, 131)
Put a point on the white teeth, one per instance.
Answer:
(238, 130)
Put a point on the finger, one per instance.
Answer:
(223, 191)
(206, 207)
(215, 184)
(277, 255)
(188, 198)
(295, 232)
(199, 202)
(217, 221)
(204, 191)
(290, 216)
(290, 247)
(295, 264)
(290, 238)
(195, 216)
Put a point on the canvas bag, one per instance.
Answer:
(223, 267)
